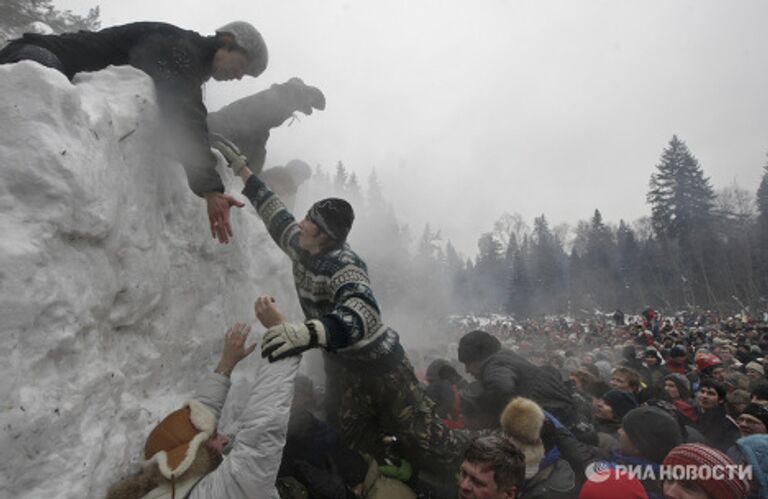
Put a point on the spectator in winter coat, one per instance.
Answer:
(547, 476)
(713, 421)
(371, 388)
(628, 380)
(656, 370)
(609, 411)
(753, 420)
(179, 62)
(678, 391)
(185, 454)
(646, 436)
(503, 375)
(493, 468)
(677, 361)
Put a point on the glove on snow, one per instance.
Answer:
(285, 340)
(235, 159)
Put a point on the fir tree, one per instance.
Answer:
(681, 198)
(19, 16)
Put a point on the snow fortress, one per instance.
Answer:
(113, 295)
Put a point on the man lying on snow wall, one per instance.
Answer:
(179, 62)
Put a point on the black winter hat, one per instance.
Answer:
(758, 411)
(477, 345)
(652, 431)
(334, 216)
(620, 401)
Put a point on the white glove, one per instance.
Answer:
(235, 159)
(285, 340)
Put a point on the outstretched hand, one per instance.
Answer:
(234, 348)
(218, 214)
(267, 312)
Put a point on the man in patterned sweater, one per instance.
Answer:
(379, 391)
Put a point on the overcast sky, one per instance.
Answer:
(468, 109)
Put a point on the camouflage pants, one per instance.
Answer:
(394, 403)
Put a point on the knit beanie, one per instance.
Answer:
(757, 411)
(682, 384)
(477, 345)
(607, 484)
(174, 442)
(620, 401)
(726, 487)
(522, 420)
(334, 216)
(652, 431)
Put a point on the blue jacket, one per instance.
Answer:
(755, 451)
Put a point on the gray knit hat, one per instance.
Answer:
(652, 431)
(249, 39)
(682, 384)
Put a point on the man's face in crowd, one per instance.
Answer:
(750, 425)
(671, 388)
(708, 398)
(228, 64)
(758, 400)
(675, 489)
(719, 374)
(651, 360)
(476, 481)
(619, 382)
(603, 410)
(311, 237)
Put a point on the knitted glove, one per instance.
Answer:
(235, 159)
(285, 340)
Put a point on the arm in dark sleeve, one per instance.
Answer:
(280, 222)
(355, 320)
(499, 380)
(176, 70)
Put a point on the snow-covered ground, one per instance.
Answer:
(113, 296)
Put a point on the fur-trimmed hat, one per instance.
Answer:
(522, 420)
(174, 442)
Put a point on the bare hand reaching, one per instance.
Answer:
(267, 312)
(234, 348)
(218, 214)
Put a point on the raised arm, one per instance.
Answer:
(280, 222)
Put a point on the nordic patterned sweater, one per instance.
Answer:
(333, 287)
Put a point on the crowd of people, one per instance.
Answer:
(611, 407)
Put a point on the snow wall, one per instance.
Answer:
(113, 296)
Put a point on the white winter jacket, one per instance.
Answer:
(250, 468)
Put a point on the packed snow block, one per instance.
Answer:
(113, 295)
